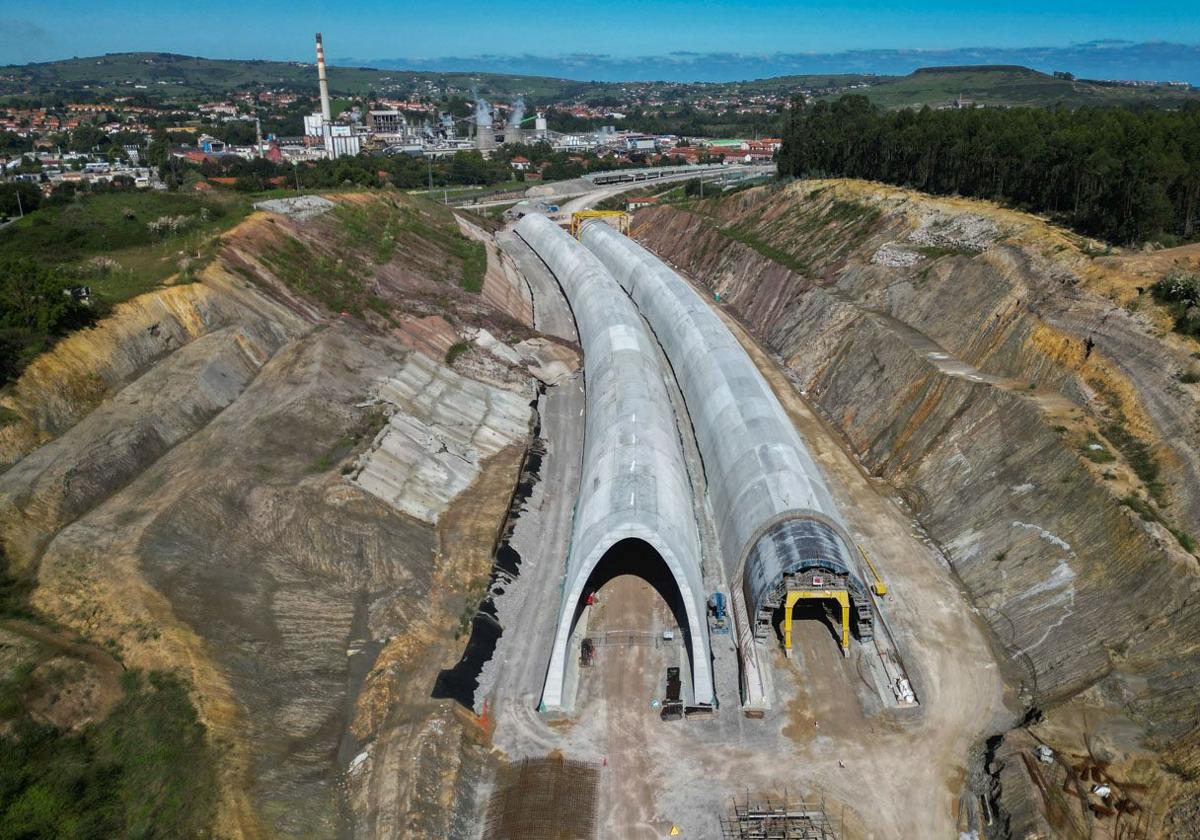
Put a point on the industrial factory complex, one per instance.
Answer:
(390, 130)
(124, 142)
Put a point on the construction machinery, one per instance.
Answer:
(619, 216)
(672, 705)
(840, 596)
(718, 615)
(877, 586)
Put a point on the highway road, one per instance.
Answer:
(590, 198)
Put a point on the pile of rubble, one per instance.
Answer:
(958, 231)
(302, 207)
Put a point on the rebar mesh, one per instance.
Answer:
(548, 798)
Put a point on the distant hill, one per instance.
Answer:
(169, 76)
(1102, 59)
(999, 84)
(166, 75)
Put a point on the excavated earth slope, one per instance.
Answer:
(257, 481)
(1027, 400)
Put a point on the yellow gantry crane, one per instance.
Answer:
(840, 595)
(577, 219)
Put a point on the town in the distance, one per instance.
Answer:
(156, 120)
(698, 438)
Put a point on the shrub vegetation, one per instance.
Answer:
(145, 771)
(36, 307)
(1181, 294)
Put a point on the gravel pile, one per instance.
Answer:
(302, 207)
(960, 231)
(895, 255)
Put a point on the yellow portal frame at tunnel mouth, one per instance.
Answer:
(796, 595)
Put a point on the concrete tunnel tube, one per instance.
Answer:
(634, 483)
(775, 517)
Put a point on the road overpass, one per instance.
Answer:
(597, 186)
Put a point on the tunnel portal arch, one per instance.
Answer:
(634, 482)
(645, 557)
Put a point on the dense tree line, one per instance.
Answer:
(686, 120)
(36, 307)
(17, 197)
(1122, 174)
(463, 168)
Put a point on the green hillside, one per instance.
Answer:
(1011, 85)
(165, 76)
(169, 76)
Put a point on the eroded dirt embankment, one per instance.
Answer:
(180, 486)
(1027, 401)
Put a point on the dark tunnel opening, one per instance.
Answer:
(824, 611)
(636, 557)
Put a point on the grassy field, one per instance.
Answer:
(460, 192)
(371, 235)
(813, 82)
(394, 225)
(118, 245)
(123, 244)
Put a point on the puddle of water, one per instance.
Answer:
(462, 681)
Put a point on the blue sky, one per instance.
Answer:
(370, 30)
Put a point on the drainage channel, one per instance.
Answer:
(462, 681)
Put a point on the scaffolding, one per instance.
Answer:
(777, 819)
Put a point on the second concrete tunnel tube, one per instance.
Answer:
(634, 483)
(775, 515)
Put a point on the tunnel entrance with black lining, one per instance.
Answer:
(819, 595)
(829, 608)
(631, 558)
(822, 611)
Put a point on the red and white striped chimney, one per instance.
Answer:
(326, 114)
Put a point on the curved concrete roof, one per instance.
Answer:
(774, 512)
(634, 482)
